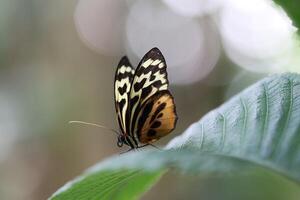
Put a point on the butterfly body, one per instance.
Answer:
(144, 105)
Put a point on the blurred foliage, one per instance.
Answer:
(111, 185)
(258, 127)
(292, 9)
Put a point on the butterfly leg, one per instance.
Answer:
(149, 144)
(154, 146)
(139, 147)
(127, 151)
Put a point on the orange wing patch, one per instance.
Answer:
(157, 117)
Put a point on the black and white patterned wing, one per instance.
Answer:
(123, 78)
(150, 77)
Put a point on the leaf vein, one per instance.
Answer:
(265, 122)
(223, 132)
(287, 119)
(245, 120)
(202, 136)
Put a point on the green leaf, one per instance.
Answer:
(292, 9)
(260, 127)
(108, 184)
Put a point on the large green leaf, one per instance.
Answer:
(107, 184)
(258, 127)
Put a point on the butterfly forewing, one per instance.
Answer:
(150, 77)
(123, 78)
(157, 117)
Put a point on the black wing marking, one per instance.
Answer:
(123, 78)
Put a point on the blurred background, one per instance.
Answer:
(57, 63)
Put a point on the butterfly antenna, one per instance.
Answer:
(93, 124)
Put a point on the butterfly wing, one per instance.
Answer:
(150, 77)
(123, 78)
(157, 117)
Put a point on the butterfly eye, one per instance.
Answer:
(120, 141)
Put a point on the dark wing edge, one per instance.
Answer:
(122, 84)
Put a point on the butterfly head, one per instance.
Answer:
(121, 140)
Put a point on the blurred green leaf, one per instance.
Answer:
(258, 127)
(292, 9)
(121, 184)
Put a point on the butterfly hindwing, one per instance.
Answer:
(156, 118)
(123, 78)
(150, 77)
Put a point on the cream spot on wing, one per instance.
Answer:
(122, 69)
(156, 62)
(147, 63)
(128, 69)
(163, 87)
(161, 65)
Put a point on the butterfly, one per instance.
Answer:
(145, 107)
